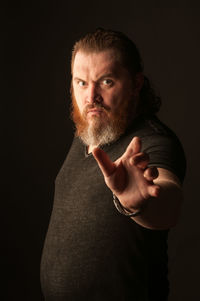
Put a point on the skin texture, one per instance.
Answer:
(103, 91)
(156, 190)
(100, 78)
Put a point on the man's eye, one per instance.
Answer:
(107, 82)
(81, 83)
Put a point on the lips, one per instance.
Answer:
(94, 111)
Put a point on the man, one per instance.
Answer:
(119, 190)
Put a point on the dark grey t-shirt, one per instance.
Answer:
(94, 253)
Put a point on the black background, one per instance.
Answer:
(37, 40)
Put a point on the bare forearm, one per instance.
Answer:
(162, 212)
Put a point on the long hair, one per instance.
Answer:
(129, 56)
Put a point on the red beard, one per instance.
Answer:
(118, 121)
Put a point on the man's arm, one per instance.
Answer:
(162, 212)
(156, 191)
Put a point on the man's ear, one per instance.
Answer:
(138, 83)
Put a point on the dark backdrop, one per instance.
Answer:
(37, 41)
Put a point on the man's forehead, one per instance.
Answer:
(100, 62)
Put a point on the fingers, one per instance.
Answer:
(106, 165)
(134, 147)
(151, 173)
(154, 190)
(140, 160)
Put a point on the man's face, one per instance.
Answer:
(102, 89)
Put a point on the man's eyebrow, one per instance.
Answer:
(77, 78)
(110, 74)
(103, 76)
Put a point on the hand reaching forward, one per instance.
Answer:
(128, 177)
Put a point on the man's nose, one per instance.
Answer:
(93, 93)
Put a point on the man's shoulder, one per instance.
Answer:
(162, 145)
(149, 126)
(158, 141)
(147, 129)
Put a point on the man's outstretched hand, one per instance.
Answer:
(129, 177)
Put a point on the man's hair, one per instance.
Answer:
(128, 55)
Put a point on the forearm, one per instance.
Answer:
(163, 211)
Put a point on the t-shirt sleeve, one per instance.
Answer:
(166, 152)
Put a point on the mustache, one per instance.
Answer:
(96, 106)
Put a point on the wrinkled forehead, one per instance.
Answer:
(109, 54)
(99, 62)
